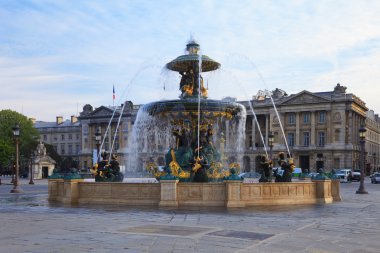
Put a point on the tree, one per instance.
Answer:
(28, 136)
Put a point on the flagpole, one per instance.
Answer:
(113, 95)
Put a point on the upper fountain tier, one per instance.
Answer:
(190, 66)
(184, 62)
(192, 101)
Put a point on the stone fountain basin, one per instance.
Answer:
(189, 106)
(171, 193)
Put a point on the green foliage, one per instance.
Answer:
(68, 163)
(28, 136)
(53, 154)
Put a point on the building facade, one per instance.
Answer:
(99, 120)
(319, 130)
(372, 142)
(64, 136)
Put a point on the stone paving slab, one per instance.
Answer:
(29, 223)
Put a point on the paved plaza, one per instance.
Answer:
(29, 223)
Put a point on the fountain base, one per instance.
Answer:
(171, 193)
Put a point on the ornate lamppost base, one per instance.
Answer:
(17, 189)
(361, 191)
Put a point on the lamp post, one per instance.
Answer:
(98, 138)
(31, 169)
(16, 135)
(361, 189)
(270, 141)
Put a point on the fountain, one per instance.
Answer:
(197, 132)
(195, 123)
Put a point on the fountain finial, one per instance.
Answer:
(192, 46)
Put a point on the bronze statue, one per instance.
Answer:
(266, 168)
(287, 167)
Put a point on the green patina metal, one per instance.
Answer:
(73, 174)
(56, 175)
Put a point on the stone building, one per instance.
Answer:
(372, 142)
(320, 128)
(99, 120)
(64, 136)
(42, 164)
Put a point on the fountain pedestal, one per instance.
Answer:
(234, 194)
(169, 196)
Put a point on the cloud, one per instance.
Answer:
(71, 53)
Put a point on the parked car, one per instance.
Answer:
(344, 175)
(312, 175)
(296, 172)
(356, 175)
(375, 178)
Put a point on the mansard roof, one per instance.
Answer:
(66, 123)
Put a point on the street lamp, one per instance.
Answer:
(31, 169)
(362, 131)
(98, 139)
(270, 140)
(16, 135)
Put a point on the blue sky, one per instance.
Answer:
(57, 56)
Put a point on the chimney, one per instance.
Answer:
(33, 120)
(73, 119)
(59, 120)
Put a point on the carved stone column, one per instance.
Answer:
(312, 131)
(298, 133)
(253, 132)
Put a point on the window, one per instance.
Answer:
(70, 149)
(77, 136)
(106, 144)
(291, 118)
(70, 136)
(117, 146)
(336, 163)
(337, 135)
(321, 139)
(62, 137)
(45, 137)
(77, 149)
(306, 139)
(62, 149)
(291, 139)
(55, 137)
(322, 117)
(306, 117)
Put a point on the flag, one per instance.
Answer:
(113, 93)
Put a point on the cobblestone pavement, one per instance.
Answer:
(30, 224)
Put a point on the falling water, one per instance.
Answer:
(199, 97)
(282, 128)
(258, 127)
(150, 135)
(253, 113)
(268, 93)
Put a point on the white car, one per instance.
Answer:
(344, 175)
(375, 178)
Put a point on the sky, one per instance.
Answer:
(57, 56)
